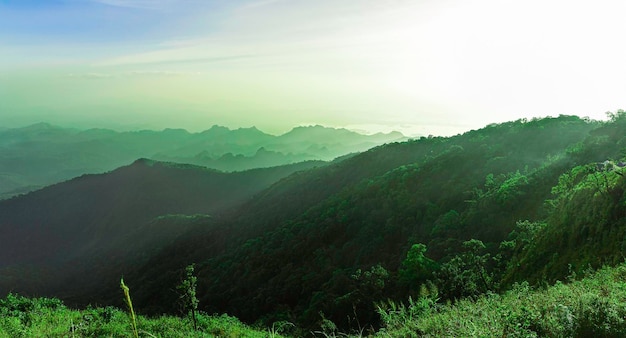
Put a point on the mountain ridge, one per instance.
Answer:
(42, 154)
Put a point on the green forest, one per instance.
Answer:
(517, 229)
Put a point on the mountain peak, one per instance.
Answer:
(253, 128)
(38, 126)
(143, 162)
(175, 131)
(216, 129)
(317, 131)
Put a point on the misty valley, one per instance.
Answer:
(42, 154)
(515, 229)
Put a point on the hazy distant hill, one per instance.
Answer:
(42, 154)
(95, 225)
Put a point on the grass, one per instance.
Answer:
(44, 317)
(594, 306)
(131, 311)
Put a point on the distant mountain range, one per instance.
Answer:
(41, 154)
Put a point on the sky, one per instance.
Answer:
(422, 67)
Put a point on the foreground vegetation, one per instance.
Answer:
(594, 306)
(45, 317)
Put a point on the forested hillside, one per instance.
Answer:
(95, 227)
(343, 253)
(454, 218)
(454, 211)
(586, 222)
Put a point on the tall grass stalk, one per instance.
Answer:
(133, 319)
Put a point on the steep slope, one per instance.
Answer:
(332, 240)
(95, 225)
(586, 224)
(309, 263)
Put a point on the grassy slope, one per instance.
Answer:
(42, 317)
(592, 307)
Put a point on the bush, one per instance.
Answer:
(592, 307)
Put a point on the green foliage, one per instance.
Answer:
(374, 278)
(466, 274)
(400, 318)
(187, 289)
(328, 328)
(18, 315)
(511, 189)
(525, 232)
(48, 317)
(416, 268)
(592, 307)
(585, 226)
(313, 231)
(616, 117)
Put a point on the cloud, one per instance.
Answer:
(129, 74)
(141, 4)
(259, 3)
(158, 73)
(170, 57)
(90, 76)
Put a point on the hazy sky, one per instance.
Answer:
(421, 66)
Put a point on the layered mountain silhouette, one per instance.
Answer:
(43, 154)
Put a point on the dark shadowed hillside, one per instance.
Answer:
(93, 226)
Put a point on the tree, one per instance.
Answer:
(416, 267)
(187, 289)
(466, 274)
